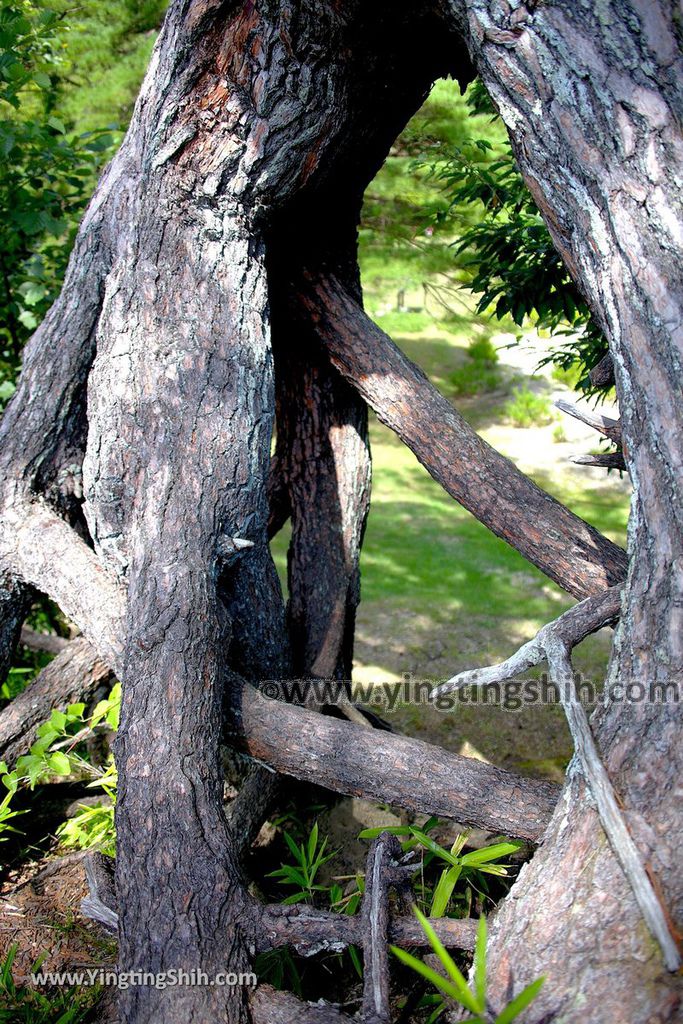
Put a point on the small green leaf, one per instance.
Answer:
(444, 890)
(59, 763)
(465, 997)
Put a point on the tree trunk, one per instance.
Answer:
(256, 131)
(591, 94)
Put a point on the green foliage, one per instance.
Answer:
(309, 857)
(26, 1004)
(453, 985)
(448, 889)
(46, 176)
(508, 253)
(55, 753)
(527, 409)
(479, 373)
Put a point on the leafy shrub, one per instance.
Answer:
(526, 409)
(509, 254)
(46, 176)
(479, 373)
(56, 753)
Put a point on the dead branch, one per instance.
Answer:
(43, 550)
(607, 460)
(306, 929)
(312, 931)
(563, 546)
(603, 424)
(74, 675)
(384, 852)
(100, 905)
(571, 628)
(393, 769)
(47, 642)
(272, 1006)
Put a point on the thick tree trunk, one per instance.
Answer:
(592, 96)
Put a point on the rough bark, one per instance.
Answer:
(253, 123)
(392, 769)
(323, 452)
(15, 601)
(591, 94)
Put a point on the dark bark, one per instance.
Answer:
(322, 447)
(310, 931)
(253, 124)
(15, 602)
(271, 1006)
(384, 853)
(74, 675)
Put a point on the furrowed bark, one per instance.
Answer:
(322, 447)
(310, 931)
(384, 852)
(568, 550)
(393, 769)
(76, 674)
(272, 1006)
(43, 550)
(15, 602)
(591, 94)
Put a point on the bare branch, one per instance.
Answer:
(563, 546)
(46, 552)
(272, 1006)
(553, 644)
(375, 927)
(572, 627)
(250, 808)
(48, 642)
(393, 769)
(312, 931)
(603, 424)
(607, 460)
